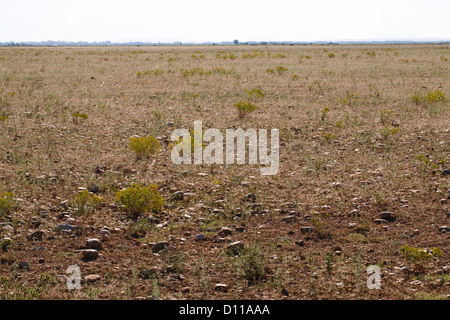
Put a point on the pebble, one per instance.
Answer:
(179, 195)
(221, 287)
(38, 235)
(62, 227)
(444, 228)
(388, 216)
(289, 219)
(94, 243)
(307, 229)
(89, 254)
(235, 247)
(91, 278)
(24, 265)
(354, 213)
(199, 237)
(224, 232)
(159, 246)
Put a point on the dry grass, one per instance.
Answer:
(67, 115)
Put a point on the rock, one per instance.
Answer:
(300, 243)
(379, 221)
(444, 228)
(221, 287)
(64, 204)
(219, 211)
(388, 216)
(148, 273)
(93, 188)
(307, 229)
(240, 229)
(94, 243)
(38, 235)
(41, 260)
(70, 221)
(104, 232)
(179, 195)
(89, 254)
(170, 124)
(185, 290)
(224, 232)
(159, 246)
(446, 171)
(62, 227)
(91, 278)
(24, 265)
(354, 213)
(290, 219)
(235, 248)
(352, 225)
(251, 197)
(337, 248)
(200, 237)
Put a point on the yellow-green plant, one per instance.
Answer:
(78, 117)
(417, 257)
(324, 113)
(139, 199)
(84, 203)
(388, 131)
(281, 69)
(244, 108)
(429, 98)
(144, 146)
(331, 55)
(255, 93)
(7, 203)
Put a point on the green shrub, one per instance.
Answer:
(84, 203)
(139, 199)
(245, 108)
(78, 117)
(429, 98)
(255, 93)
(281, 69)
(145, 146)
(7, 203)
(251, 264)
(331, 55)
(417, 257)
(324, 113)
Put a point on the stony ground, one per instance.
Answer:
(363, 179)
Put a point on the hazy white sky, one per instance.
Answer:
(223, 20)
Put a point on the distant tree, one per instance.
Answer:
(236, 42)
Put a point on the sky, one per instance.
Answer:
(223, 20)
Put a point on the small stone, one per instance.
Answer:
(185, 290)
(221, 287)
(89, 254)
(64, 204)
(104, 232)
(388, 216)
(159, 246)
(94, 244)
(199, 237)
(444, 228)
(240, 229)
(290, 219)
(92, 278)
(300, 243)
(41, 260)
(379, 221)
(354, 213)
(179, 195)
(336, 248)
(307, 229)
(352, 225)
(38, 235)
(70, 221)
(94, 188)
(62, 227)
(24, 265)
(446, 171)
(224, 232)
(235, 248)
(170, 124)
